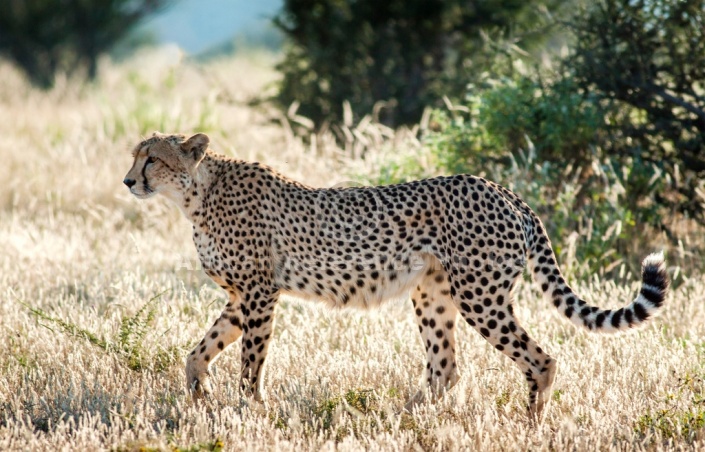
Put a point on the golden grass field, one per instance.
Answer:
(101, 298)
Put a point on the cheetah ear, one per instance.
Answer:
(155, 133)
(195, 147)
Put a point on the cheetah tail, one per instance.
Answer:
(647, 304)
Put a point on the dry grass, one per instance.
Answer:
(83, 366)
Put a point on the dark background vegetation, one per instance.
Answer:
(599, 105)
(44, 37)
(408, 53)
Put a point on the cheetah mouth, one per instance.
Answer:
(143, 195)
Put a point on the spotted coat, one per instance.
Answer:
(456, 245)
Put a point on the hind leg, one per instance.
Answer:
(436, 315)
(538, 367)
(487, 306)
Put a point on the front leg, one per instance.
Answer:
(258, 316)
(226, 330)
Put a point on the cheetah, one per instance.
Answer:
(456, 244)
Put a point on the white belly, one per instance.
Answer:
(386, 287)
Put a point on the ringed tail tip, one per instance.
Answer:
(654, 278)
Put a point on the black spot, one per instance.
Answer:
(629, 317)
(617, 317)
(653, 294)
(600, 319)
(640, 312)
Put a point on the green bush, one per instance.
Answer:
(560, 121)
(406, 53)
(505, 116)
(646, 61)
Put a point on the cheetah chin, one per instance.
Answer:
(456, 244)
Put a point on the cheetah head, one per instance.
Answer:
(165, 164)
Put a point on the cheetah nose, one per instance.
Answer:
(129, 182)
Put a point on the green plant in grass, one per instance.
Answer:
(677, 421)
(128, 343)
(673, 424)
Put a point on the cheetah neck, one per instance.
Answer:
(193, 200)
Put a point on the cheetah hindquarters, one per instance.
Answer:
(487, 307)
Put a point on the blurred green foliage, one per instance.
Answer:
(394, 57)
(499, 117)
(44, 37)
(556, 117)
(645, 62)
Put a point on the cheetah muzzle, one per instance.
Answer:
(456, 244)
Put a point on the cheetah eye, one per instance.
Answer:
(151, 160)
